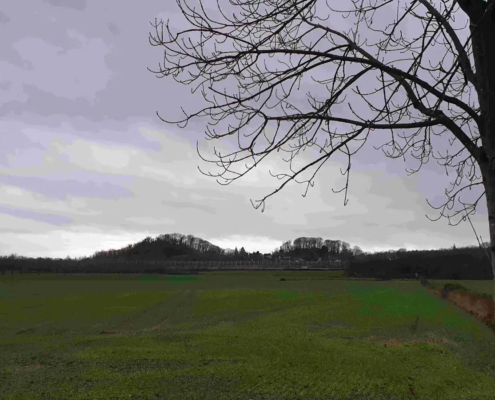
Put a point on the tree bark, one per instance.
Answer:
(483, 38)
(489, 184)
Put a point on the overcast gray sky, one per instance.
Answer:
(86, 164)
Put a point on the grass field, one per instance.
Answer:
(238, 335)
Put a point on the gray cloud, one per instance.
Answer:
(4, 18)
(82, 184)
(182, 204)
(114, 29)
(51, 219)
(79, 5)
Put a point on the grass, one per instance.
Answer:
(238, 335)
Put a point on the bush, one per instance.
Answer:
(449, 287)
(424, 281)
(454, 286)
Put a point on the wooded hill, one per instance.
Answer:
(178, 247)
(454, 263)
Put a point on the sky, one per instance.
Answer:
(87, 165)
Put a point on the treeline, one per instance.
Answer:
(313, 248)
(471, 262)
(180, 247)
(455, 263)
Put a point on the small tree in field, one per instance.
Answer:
(455, 94)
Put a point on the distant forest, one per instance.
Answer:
(454, 263)
(181, 247)
(189, 248)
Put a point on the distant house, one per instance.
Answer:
(267, 255)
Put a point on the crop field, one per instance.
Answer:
(238, 335)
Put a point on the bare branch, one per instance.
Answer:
(282, 29)
(463, 57)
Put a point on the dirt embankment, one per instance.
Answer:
(482, 308)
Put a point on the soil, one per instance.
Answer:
(482, 308)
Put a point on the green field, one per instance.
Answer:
(238, 335)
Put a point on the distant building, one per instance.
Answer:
(267, 255)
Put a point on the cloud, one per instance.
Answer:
(4, 19)
(80, 184)
(184, 204)
(79, 5)
(63, 72)
(51, 219)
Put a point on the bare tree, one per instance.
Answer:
(334, 246)
(269, 28)
(286, 246)
(356, 251)
(346, 248)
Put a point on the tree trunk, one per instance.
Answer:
(482, 27)
(489, 183)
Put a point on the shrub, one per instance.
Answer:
(449, 287)
(454, 286)
(424, 281)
